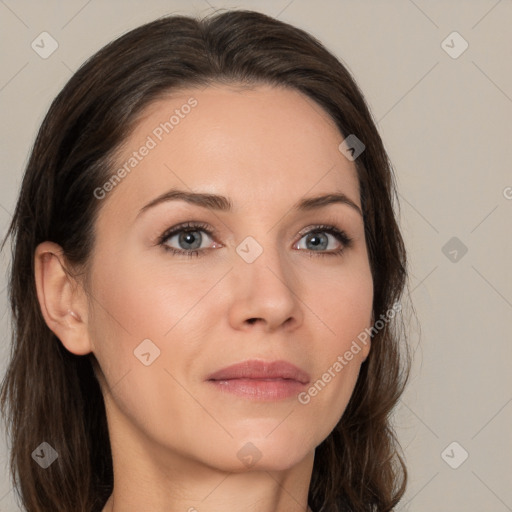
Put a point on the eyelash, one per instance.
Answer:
(189, 227)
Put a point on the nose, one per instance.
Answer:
(265, 293)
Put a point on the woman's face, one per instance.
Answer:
(263, 283)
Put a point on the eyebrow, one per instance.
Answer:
(224, 204)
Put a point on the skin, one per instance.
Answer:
(174, 436)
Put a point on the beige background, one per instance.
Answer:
(446, 123)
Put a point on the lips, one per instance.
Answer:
(260, 380)
(261, 370)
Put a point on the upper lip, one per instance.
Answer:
(256, 369)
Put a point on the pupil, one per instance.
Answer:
(316, 241)
(188, 238)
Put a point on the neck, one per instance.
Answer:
(257, 492)
(192, 487)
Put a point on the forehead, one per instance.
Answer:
(264, 147)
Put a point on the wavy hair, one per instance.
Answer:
(49, 394)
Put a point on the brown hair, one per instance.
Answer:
(49, 394)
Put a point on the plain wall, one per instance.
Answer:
(446, 123)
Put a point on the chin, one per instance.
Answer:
(275, 452)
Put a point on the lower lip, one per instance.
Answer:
(260, 389)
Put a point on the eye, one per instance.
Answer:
(187, 237)
(318, 238)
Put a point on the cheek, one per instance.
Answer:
(131, 305)
(140, 301)
(343, 307)
(134, 302)
(342, 301)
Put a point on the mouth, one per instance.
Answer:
(260, 380)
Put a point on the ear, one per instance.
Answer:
(62, 298)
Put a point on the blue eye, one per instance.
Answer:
(317, 240)
(190, 239)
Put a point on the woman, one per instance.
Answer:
(206, 273)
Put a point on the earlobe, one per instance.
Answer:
(61, 298)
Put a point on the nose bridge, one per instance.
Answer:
(263, 260)
(265, 287)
